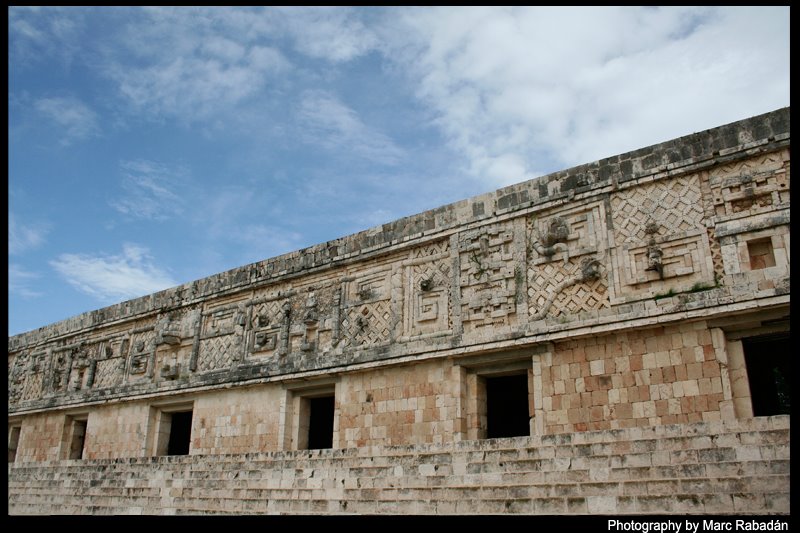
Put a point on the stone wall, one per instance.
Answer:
(40, 438)
(236, 421)
(415, 404)
(118, 430)
(663, 375)
(700, 468)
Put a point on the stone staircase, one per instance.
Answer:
(734, 467)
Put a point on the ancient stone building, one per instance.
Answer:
(612, 338)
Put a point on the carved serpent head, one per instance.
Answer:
(590, 269)
(558, 231)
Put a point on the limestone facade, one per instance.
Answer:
(631, 292)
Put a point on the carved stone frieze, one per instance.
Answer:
(674, 204)
(557, 287)
(366, 310)
(488, 277)
(587, 273)
(661, 241)
(221, 339)
(427, 283)
(553, 240)
(267, 322)
(750, 186)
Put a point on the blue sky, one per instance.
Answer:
(150, 147)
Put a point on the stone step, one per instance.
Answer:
(686, 492)
(647, 479)
(256, 468)
(663, 438)
(63, 499)
(426, 475)
(673, 469)
(408, 489)
(208, 467)
(701, 448)
(764, 503)
(752, 503)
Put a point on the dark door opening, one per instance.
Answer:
(320, 423)
(507, 406)
(770, 374)
(78, 439)
(180, 433)
(13, 442)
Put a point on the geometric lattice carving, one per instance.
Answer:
(716, 255)
(17, 372)
(750, 186)
(430, 250)
(266, 314)
(590, 295)
(143, 341)
(109, 372)
(218, 352)
(265, 324)
(554, 284)
(366, 311)
(427, 303)
(660, 235)
(32, 387)
(141, 346)
(488, 276)
(675, 204)
(366, 324)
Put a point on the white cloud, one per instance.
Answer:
(326, 121)
(113, 277)
(76, 119)
(38, 32)
(223, 49)
(151, 190)
(23, 237)
(26, 31)
(197, 87)
(19, 281)
(332, 33)
(520, 91)
(194, 63)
